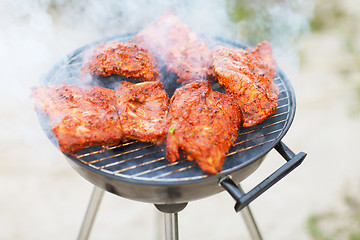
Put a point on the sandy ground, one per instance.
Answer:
(42, 197)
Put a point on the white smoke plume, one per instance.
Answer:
(35, 34)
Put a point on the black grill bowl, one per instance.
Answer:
(141, 172)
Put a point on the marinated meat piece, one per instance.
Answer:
(143, 109)
(182, 52)
(79, 116)
(203, 123)
(247, 75)
(121, 58)
(263, 52)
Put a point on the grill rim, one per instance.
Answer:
(170, 183)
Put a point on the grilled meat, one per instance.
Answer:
(247, 74)
(121, 58)
(203, 123)
(178, 47)
(143, 109)
(79, 116)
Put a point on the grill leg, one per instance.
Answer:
(90, 215)
(250, 222)
(171, 226)
(171, 219)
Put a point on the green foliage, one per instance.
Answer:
(327, 14)
(334, 225)
(333, 16)
(314, 230)
(278, 21)
(238, 11)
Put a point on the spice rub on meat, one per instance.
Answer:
(121, 58)
(143, 109)
(247, 74)
(79, 116)
(203, 123)
(181, 50)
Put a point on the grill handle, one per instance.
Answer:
(243, 199)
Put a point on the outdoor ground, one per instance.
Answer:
(42, 197)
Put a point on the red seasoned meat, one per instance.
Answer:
(181, 50)
(121, 58)
(247, 74)
(203, 123)
(79, 116)
(143, 109)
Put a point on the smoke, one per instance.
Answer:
(281, 22)
(35, 34)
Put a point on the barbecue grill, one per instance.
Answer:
(141, 172)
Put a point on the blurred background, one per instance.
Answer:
(316, 44)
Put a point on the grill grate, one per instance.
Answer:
(147, 162)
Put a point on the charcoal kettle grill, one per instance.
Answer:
(140, 171)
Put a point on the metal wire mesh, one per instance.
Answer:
(145, 161)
